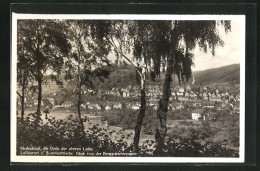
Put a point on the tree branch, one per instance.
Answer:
(19, 94)
(124, 56)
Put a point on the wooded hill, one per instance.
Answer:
(125, 75)
(227, 73)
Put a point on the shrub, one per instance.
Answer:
(34, 132)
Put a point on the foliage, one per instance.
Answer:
(120, 77)
(194, 143)
(44, 46)
(83, 46)
(57, 133)
(124, 117)
(179, 114)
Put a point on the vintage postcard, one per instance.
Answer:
(128, 88)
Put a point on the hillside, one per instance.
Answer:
(223, 74)
(125, 75)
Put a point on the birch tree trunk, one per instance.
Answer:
(79, 91)
(22, 102)
(39, 96)
(141, 113)
(161, 128)
(162, 111)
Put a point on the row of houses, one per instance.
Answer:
(205, 96)
(199, 103)
(179, 93)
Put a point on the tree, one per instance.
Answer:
(144, 40)
(23, 73)
(126, 37)
(45, 43)
(62, 95)
(184, 36)
(149, 44)
(86, 57)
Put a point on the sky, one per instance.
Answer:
(227, 55)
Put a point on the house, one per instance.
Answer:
(128, 105)
(237, 98)
(35, 102)
(187, 94)
(107, 107)
(198, 102)
(91, 106)
(118, 93)
(225, 99)
(231, 106)
(203, 89)
(179, 93)
(215, 97)
(236, 109)
(179, 106)
(232, 98)
(183, 98)
(97, 107)
(82, 105)
(155, 107)
(126, 93)
(181, 90)
(150, 104)
(171, 106)
(117, 106)
(208, 104)
(196, 114)
(205, 96)
(219, 108)
(135, 107)
(188, 88)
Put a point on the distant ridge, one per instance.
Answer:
(125, 75)
(222, 74)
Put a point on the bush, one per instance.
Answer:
(34, 132)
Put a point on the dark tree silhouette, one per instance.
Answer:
(23, 73)
(87, 56)
(184, 36)
(125, 38)
(45, 44)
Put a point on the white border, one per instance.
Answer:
(71, 159)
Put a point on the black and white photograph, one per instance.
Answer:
(128, 88)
